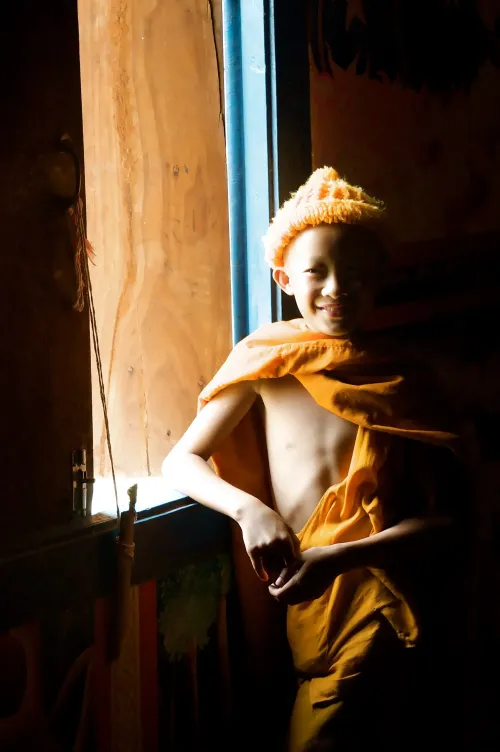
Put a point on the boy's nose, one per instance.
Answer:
(331, 287)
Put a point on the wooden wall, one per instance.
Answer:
(157, 216)
(433, 158)
(45, 374)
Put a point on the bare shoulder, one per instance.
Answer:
(218, 419)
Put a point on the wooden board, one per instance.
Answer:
(157, 216)
(45, 373)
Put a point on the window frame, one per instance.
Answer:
(266, 77)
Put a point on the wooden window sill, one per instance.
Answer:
(75, 563)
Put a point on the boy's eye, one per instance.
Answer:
(312, 271)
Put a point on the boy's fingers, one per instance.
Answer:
(274, 561)
(282, 577)
(259, 568)
(280, 592)
(289, 551)
(289, 578)
(286, 574)
(276, 557)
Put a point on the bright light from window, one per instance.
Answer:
(151, 492)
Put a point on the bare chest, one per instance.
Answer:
(309, 448)
(296, 421)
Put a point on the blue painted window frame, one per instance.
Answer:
(266, 84)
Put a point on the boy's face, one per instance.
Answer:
(330, 269)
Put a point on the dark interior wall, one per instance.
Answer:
(45, 374)
(433, 156)
(432, 153)
(426, 143)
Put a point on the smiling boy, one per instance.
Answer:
(336, 419)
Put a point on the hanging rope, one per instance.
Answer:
(83, 254)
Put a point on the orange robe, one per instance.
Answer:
(330, 637)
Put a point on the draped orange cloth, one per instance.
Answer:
(331, 636)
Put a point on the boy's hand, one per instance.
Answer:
(270, 543)
(312, 574)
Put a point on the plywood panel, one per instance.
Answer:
(45, 370)
(157, 216)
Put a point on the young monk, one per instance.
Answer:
(322, 493)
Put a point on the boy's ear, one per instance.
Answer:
(282, 280)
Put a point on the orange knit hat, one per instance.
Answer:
(323, 199)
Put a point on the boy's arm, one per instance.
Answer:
(268, 540)
(319, 566)
(408, 539)
(186, 466)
